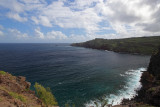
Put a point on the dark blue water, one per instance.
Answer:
(75, 75)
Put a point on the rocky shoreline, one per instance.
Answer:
(149, 94)
(150, 91)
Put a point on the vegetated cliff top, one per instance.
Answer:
(136, 45)
(15, 92)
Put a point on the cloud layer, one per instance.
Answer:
(96, 18)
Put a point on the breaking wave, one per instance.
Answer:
(128, 91)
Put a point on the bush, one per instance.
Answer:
(2, 72)
(45, 95)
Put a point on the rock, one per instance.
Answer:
(154, 65)
(150, 91)
(21, 78)
(15, 92)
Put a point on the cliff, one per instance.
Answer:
(15, 92)
(138, 45)
(150, 91)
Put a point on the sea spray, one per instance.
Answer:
(127, 92)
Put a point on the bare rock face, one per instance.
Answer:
(150, 91)
(154, 65)
(15, 92)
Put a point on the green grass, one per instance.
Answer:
(140, 45)
(45, 95)
(17, 96)
(14, 95)
(152, 89)
(2, 72)
(1, 99)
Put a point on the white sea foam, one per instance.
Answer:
(129, 90)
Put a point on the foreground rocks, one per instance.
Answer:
(15, 92)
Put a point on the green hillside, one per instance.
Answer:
(138, 45)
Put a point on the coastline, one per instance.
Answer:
(129, 91)
(137, 45)
(149, 93)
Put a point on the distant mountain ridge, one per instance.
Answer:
(136, 45)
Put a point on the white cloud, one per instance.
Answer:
(39, 34)
(16, 33)
(45, 21)
(13, 5)
(56, 35)
(128, 18)
(132, 18)
(34, 19)
(1, 33)
(64, 17)
(16, 17)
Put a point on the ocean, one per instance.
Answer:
(75, 75)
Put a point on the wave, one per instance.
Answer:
(129, 90)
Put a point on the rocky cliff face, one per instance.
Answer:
(15, 92)
(150, 91)
(154, 65)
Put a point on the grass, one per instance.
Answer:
(2, 72)
(14, 95)
(1, 99)
(18, 96)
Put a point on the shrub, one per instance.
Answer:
(45, 95)
(2, 72)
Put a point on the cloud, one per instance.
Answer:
(38, 33)
(132, 18)
(17, 34)
(120, 14)
(127, 18)
(13, 5)
(16, 17)
(1, 33)
(65, 17)
(56, 35)
(45, 21)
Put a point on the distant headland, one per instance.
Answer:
(136, 45)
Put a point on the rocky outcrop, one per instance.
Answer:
(154, 65)
(150, 91)
(15, 92)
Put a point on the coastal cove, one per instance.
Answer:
(75, 74)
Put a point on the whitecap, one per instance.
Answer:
(128, 91)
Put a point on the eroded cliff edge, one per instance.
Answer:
(15, 92)
(150, 91)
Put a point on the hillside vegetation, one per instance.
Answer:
(15, 92)
(138, 45)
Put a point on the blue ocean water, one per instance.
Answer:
(75, 74)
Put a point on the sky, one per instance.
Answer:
(70, 21)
